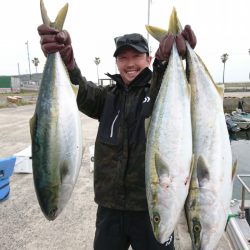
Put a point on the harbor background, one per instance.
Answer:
(23, 226)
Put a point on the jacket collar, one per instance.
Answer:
(141, 80)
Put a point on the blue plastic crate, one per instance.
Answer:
(4, 189)
(6, 170)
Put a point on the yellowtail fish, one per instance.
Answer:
(210, 193)
(169, 144)
(210, 190)
(56, 132)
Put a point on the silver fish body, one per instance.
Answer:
(56, 139)
(210, 191)
(169, 150)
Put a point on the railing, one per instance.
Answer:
(245, 188)
(237, 227)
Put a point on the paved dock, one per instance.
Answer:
(22, 224)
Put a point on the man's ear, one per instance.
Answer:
(149, 59)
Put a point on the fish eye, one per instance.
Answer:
(157, 218)
(196, 228)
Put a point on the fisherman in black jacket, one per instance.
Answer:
(121, 109)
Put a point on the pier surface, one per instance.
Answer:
(23, 226)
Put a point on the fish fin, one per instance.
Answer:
(64, 170)
(156, 32)
(202, 171)
(162, 167)
(188, 70)
(75, 88)
(189, 89)
(191, 172)
(58, 24)
(174, 27)
(32, 124)
(147, 124)
(191, 167)
(235, 165)
(220, 88)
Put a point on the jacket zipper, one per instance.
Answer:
(113, 123)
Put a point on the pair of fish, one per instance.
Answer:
(56, 132)
(188, 153)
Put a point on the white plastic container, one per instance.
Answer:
(23, 161)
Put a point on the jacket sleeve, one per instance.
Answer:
(90, 98)
(158, 72)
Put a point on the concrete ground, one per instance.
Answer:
(22, 224)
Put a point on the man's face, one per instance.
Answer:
(130, 63)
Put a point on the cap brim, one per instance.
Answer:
(137, 48)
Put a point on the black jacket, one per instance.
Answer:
(119, 166)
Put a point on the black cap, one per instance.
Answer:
(134, 40)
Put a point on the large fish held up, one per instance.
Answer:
(169, 145)
(208, 202)
(56, 132)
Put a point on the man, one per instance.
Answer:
(119, 171)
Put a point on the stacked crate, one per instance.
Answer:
(6, 170)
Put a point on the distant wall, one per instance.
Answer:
(246, 104)
(237, 87)
(5, 90)
(232, 103)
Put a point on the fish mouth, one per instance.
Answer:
(51, 213)
(164, 237)
(197, 246)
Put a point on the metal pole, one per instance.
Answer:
(97, 73)
(249, 54)
(27, 43)
(18, 68)
(223, 71)
(97, 61)
(149, 3)
(149, 11)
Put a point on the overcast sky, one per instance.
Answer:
(221, 26)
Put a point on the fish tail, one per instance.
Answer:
(61, 17)
(156, 32)
(174, 27)
(58, 24)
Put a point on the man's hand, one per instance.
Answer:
(165, 47)
(54, 41)
(166, 43)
